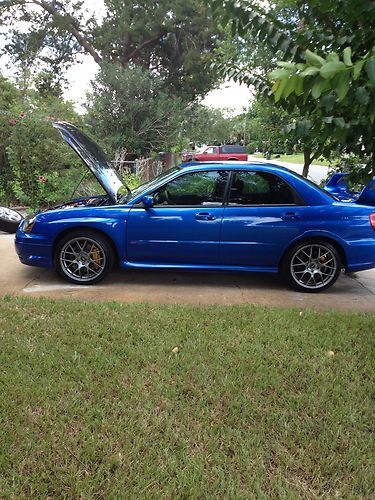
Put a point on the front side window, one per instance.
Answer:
(210, 151)
(198, 188)
(260, 188)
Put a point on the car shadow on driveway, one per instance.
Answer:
(205, 289)
(175, 287)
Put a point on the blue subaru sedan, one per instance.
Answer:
(229, 216)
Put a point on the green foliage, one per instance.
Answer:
(132, 181)
(338, 91)
(267, 128)
(174, 40)
(129, 108)
(204, 125)
(8, 97)
(94, 403)
(154, 59)
(33, 154)
(327, 72)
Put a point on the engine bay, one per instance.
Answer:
(92, 201)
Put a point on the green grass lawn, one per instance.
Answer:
(94, 403)
(297, 158)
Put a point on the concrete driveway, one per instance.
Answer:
(349, 294)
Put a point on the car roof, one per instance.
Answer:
(234, 165)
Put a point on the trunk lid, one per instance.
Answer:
(367, 195)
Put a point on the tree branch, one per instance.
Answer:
(72, 27)
(144, 44)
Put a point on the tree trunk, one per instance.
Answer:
(307, 161)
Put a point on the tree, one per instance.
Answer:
(33, 155)
(9, 95)
(172, 40)
(340, 92)
(204, 125)
(266, 127)
(129, 107)
(289, 29)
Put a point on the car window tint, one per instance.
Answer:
(260, 188)
(232, 149)
(198, 188)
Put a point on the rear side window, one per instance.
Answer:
(232, 149)
(260, 188)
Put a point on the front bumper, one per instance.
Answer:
(34, 249)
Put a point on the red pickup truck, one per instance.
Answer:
(218, 153)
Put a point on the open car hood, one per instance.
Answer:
(91, 154)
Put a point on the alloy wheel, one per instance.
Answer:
(9, 215)
(82, 259)
(313, 266)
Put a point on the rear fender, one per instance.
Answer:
(338, 243)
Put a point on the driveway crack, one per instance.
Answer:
(34, 278)
(363, 285)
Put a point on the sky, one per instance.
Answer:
(230, 96)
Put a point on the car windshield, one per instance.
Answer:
(146, 185)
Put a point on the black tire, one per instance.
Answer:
(83, 257)
(311, 266)
(9, 220)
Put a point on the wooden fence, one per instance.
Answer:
(145, 168)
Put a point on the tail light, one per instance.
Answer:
(372, 220)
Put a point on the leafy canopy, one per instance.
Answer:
(325, 71)
(173, 40)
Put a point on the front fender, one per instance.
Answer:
(110, 221)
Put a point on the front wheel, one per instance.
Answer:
(312, 266)
(83, 257)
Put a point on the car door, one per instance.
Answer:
(183, 226)
(210, 154)
(262, 216)
(225, 153)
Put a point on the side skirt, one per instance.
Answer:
(196, 267)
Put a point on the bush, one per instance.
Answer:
(33, 158)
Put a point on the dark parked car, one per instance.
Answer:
(9, 220)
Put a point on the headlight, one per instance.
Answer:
(28, 224)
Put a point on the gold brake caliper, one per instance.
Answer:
(323, 259)
(95, 255)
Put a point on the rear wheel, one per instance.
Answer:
(83, 257)
(312, 266)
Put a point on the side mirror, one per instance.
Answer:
(148, 202)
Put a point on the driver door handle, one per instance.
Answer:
(291, 216)
(204, 216)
